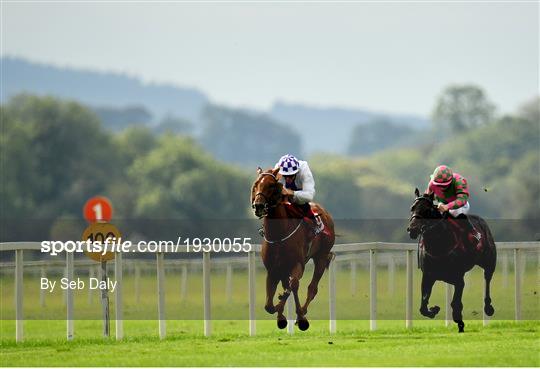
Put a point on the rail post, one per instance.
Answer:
(183, 282)
(119, 308)
(69, 297)
(332, 295)
(517, 282)
(161, 294)
(409, 291)
(43, 274)
(391, 274)
(206, 293)
(353, 277)
(290, 314)
(19, 295)
(372, 290)
(252, 289)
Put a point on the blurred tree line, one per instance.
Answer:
(56, 154)
(499, 155)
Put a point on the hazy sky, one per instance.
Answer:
(391, 57)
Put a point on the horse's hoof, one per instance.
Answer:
(303, 324)
(431, 312)
(270, 309)
(282, 323)
(489, 310)
(461, 327)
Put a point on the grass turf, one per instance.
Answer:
(430, 343)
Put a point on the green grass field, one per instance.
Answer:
(429, 344)
(502, 343)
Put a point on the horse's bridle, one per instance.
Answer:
(267, 206)
(423, 227)
(267, 203)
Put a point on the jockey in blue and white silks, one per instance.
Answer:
(299, 185)
(297, 179)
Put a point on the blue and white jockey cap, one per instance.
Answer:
(288, 165)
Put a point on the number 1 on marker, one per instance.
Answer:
(98, 211)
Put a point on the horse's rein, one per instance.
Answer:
(286, 237)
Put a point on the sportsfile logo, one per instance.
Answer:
(113, 244)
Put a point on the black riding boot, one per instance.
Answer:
(471, 229)
(316, 225)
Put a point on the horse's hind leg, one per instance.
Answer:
(427, 285)
(321, 262)
(271, 285)
(457, 305)
(488, 308)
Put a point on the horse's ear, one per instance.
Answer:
(259, 170)
(275, 172)
(417, 192)
(432, 196)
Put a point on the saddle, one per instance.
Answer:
(310, 217)
(463, 239)
(461, 226)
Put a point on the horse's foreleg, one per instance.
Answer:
(294, 283)
(427, 285)
(457, 305)
(488, 308)
(318, 271)
(280, 307)
(271, 285)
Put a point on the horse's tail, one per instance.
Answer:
(483, 227)
(331, 257)
(490, 249)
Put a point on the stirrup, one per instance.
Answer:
(319, 225)
(475, 233)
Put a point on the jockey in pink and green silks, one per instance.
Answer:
(452, 193)
(450, 189)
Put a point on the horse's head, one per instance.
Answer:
(422, 209)
(265, 192)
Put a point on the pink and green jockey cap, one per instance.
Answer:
(442, 176)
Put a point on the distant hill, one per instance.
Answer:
(329, 129)
(100, 89)
(122, 100)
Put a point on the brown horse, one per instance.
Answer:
(288, 245)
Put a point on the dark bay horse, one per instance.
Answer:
(288, 245)
(445, 254)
